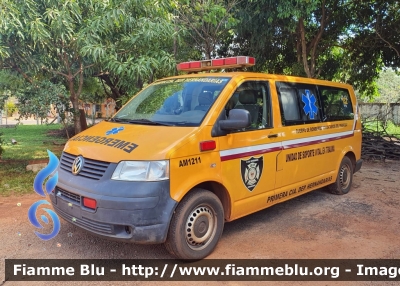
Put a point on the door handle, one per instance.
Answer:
(272, 135)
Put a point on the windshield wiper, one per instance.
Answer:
(143, 121)
(117, 119)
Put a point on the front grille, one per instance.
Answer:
(91, 169)
(86, 223)
(68, 195)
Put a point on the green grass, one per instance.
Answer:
(15, 180)
(33, 143)
(377, 126)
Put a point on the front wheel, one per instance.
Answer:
(344, 178)
(196, 225)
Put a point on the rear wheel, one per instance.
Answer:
(196, 225)
(344, 178)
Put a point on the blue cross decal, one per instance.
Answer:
(114, 130)
(309, 104)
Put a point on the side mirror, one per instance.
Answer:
(238, 119)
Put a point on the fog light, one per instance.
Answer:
(89, 203)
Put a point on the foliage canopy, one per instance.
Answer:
(91, 49)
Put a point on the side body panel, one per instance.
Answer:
(300, 159)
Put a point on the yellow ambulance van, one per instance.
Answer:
(191, 152)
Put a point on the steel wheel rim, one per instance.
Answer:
(200, 227)
(344, 176)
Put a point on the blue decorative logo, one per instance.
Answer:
(114, 130)
(34, 221)
(309, 104)
(49, 186)
(43, 174)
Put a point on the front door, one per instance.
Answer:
(248, 156)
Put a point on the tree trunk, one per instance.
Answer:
(304, 52)
(82, 118)
(75, 104)
(309, 52)
(139, 83)
(77, 116)
(208, 51)
(116, 92)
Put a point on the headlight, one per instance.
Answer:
(141, 171)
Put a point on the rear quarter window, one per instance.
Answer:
(337, 103)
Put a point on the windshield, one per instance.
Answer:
(177, 102)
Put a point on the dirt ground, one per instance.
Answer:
(365, 223)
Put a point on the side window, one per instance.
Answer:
(290, 105)
(254, 96)
(337, 103)
(299, 103)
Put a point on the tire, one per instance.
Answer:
(196, 225)
(344, 178)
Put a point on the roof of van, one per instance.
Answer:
(275, 77)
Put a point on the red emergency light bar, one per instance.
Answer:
(223, 63)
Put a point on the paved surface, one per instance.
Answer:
(365, 223)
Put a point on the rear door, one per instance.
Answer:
(311, 141)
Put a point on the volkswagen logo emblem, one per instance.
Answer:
(77, 165)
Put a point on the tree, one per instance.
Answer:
(93, 91)
(388, 86)
(44, 37)
(120, 42)
(35, 99)
(130, 43)
(208, 22)
(316, 38)
(294, 37)
(376, 31)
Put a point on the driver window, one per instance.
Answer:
(254, 97)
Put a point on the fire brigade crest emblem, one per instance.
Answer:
(251, 171)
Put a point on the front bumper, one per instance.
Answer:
(137, 212)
